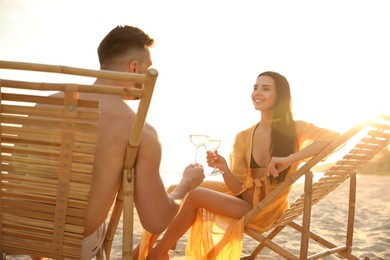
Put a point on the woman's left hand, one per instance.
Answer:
(277, 165)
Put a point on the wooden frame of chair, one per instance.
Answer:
(47, 157)
(125, 198)
(375, 139)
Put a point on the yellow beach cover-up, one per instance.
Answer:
(215, 236)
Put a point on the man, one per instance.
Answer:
(126, 49)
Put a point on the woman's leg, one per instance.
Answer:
(210, 200)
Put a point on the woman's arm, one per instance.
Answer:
(219, 161)
(278, 164)
(311, 138)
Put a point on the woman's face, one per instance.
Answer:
(264, 93)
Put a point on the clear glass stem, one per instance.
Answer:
(196, 154)
(215, 167)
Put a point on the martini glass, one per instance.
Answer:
(212, 145)
(198, 141)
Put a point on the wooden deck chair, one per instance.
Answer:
(47, 154)
(374, 137)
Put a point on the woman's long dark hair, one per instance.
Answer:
(283, 134)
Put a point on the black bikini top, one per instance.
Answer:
(254, 164)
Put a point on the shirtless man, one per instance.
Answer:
(126, 49)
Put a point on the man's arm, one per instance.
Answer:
(192, 177)
(154, 207)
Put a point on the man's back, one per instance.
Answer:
(114, 128)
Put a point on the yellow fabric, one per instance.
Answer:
(215, 237)
(218, 237)
(144, 245)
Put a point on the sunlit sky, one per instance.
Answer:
(335, 54)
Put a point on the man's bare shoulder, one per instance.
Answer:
(150, 152)
(150, 139)
(150, 132)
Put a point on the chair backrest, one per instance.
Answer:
(375, 136)
(47, 154)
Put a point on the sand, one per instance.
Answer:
(372, 223)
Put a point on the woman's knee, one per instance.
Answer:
(196, 197)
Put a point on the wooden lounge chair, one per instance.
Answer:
(374, 137)
(47, 154)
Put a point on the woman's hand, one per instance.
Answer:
(214, 159)
(277, 165)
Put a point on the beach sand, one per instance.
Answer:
(372, 223)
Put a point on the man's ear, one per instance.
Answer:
(133, 66)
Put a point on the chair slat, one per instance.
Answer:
(42, 86)
(45, 112)
(46, 100)
(15, 120)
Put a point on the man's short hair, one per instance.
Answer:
(119, 41)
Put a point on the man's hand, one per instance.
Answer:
(193, 176)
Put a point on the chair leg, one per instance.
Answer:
(306, 215)
(351, 211)
(269, 244)
(3, 256)
(261, 246)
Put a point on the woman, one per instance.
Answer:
(263, 155)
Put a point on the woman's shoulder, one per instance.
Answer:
(311, 129)
(301, 122)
